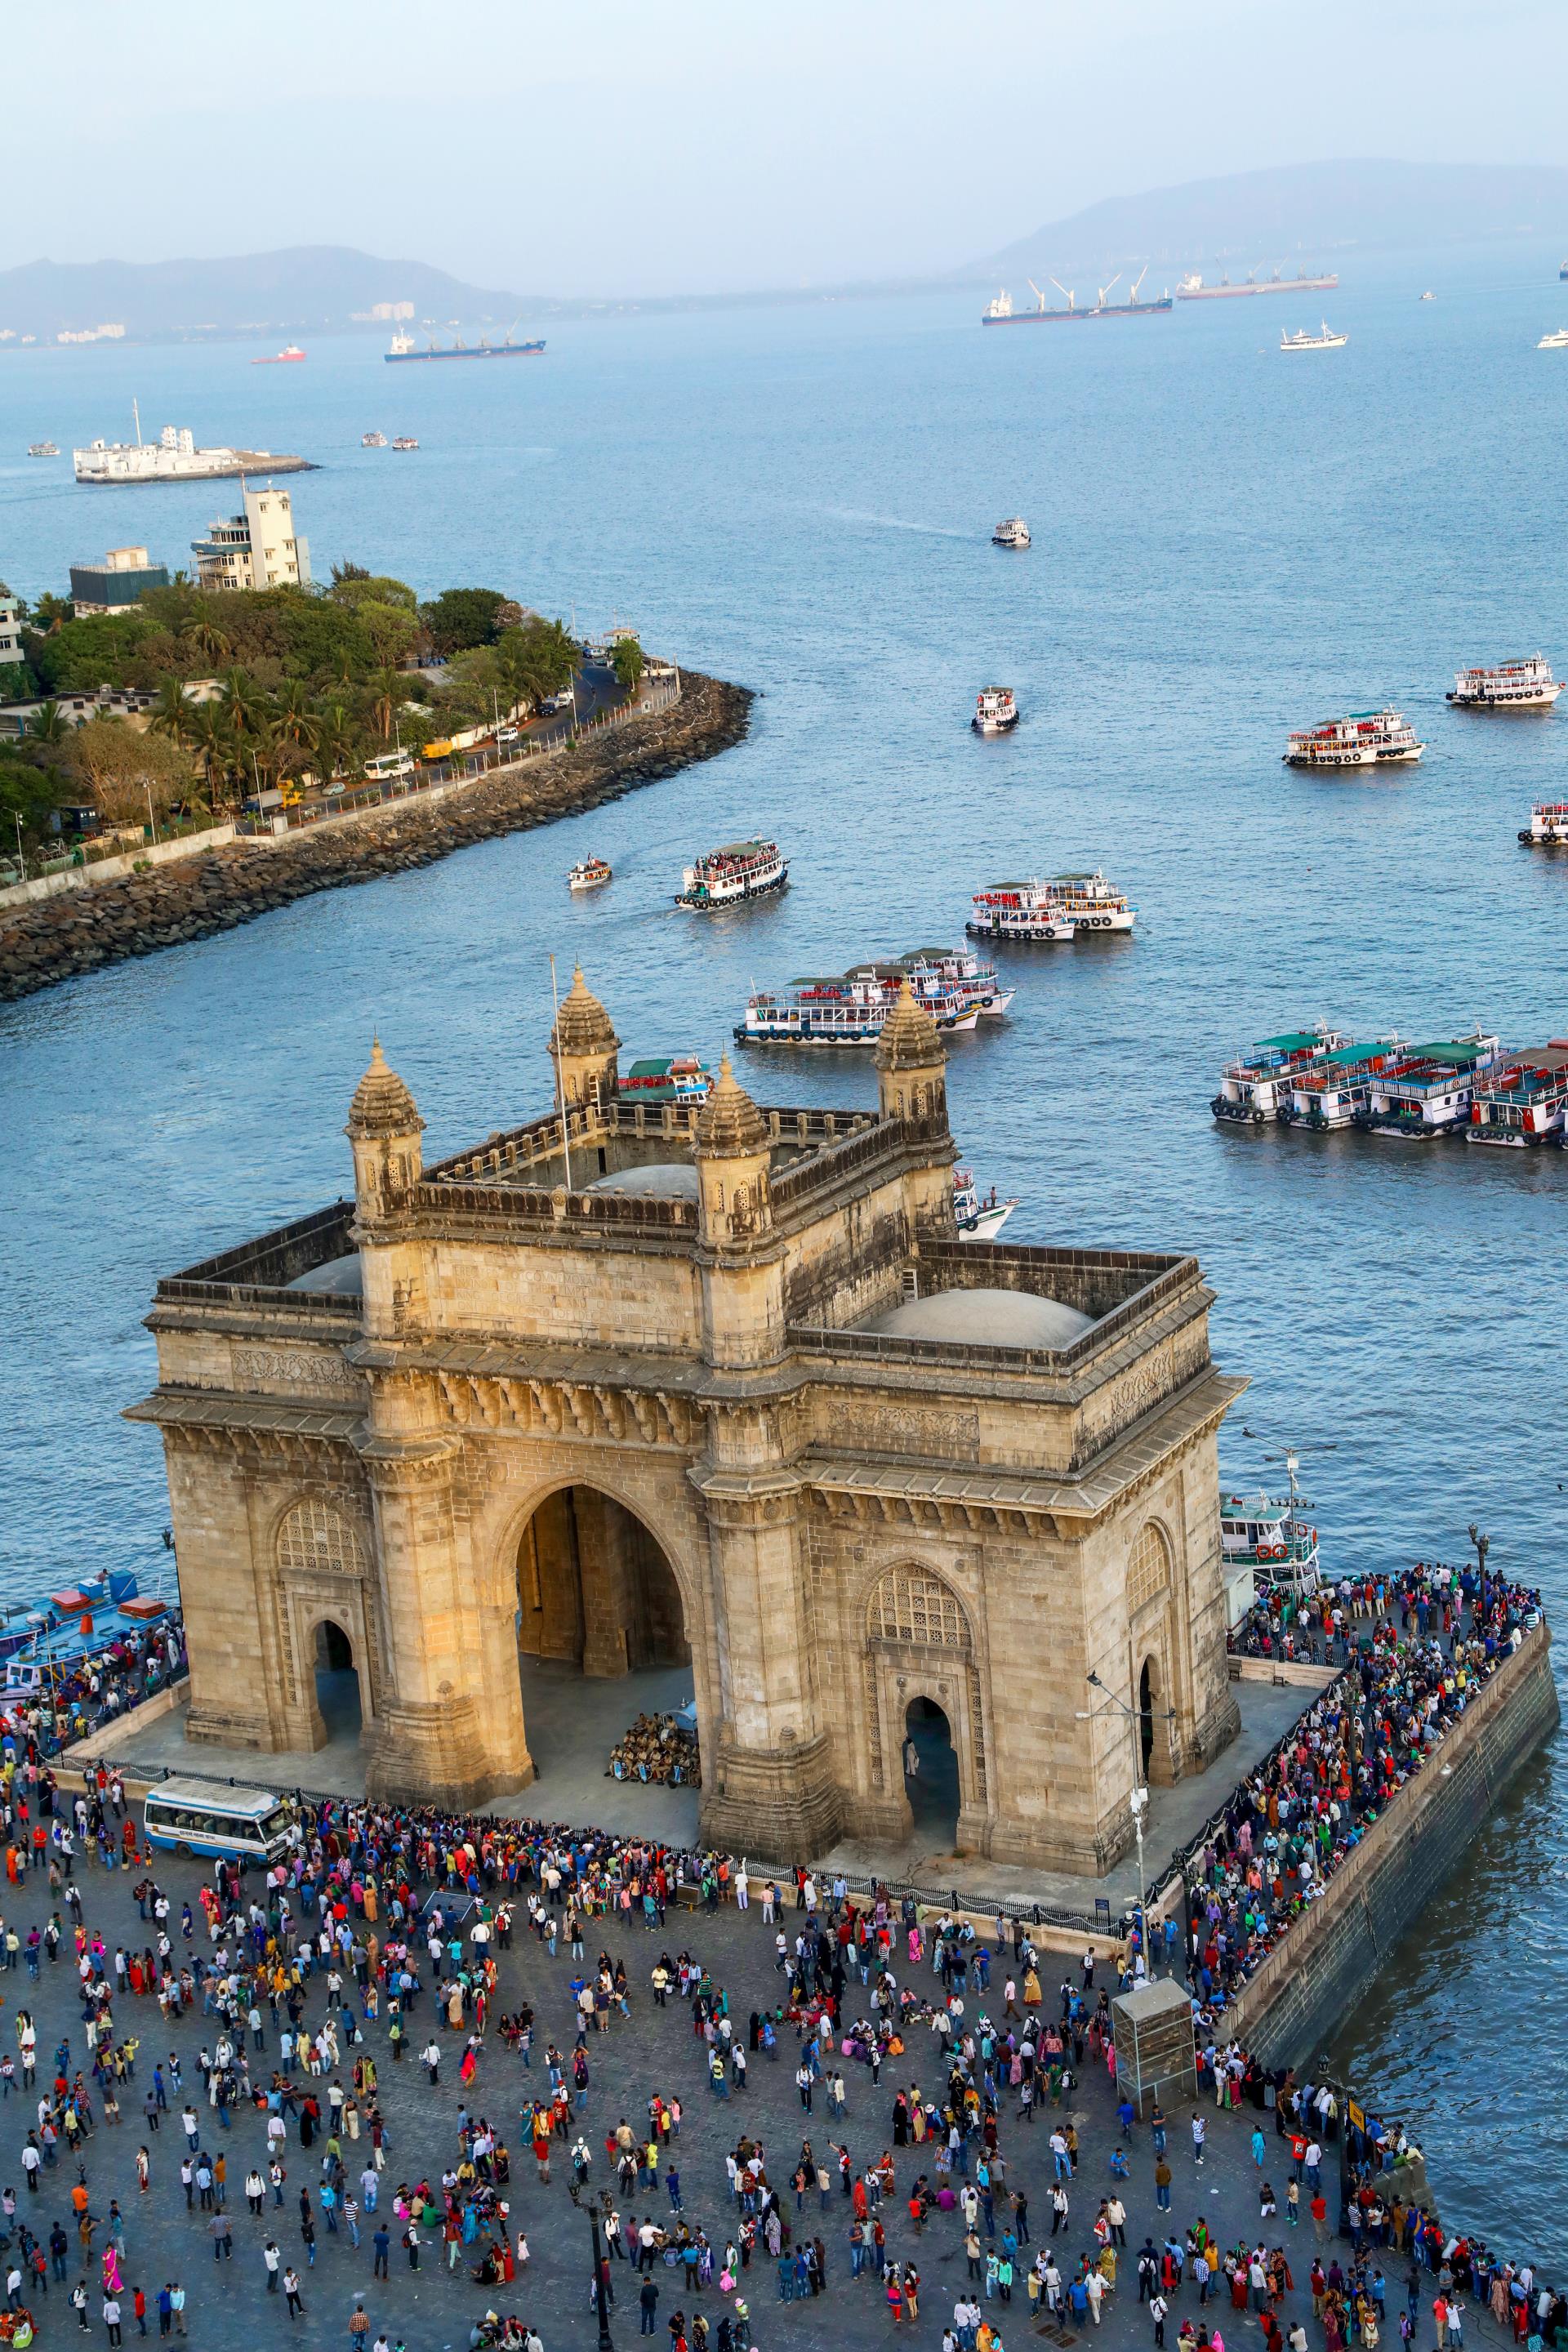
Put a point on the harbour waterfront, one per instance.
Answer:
(1223, 548)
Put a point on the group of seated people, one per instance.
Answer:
(657, 1747)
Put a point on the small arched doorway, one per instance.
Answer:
(931, 1773)
(337, 1682)
(1145, 1720)
(598, 1601)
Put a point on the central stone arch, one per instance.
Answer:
(595, 1588)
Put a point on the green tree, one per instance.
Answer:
(48, 724)
(123, 769)
(461, 617)
(628, 663)
(28, 792)
(356, 587)
(335, 740)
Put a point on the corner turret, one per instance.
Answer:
(584, 1047)
(385, 1127)
(911, 1061)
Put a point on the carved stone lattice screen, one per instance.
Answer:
(908, 1607)
(317, 1540)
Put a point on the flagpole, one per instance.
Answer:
(560, 1081)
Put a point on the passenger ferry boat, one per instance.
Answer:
(1548, 824)
(1361, 740)
(849, 1008)
(43, 449)
(373, 440)
(71, 1624)
(1428, 1090)
(1258, 1082)
(405, 441)
(995, 710)
(1512, 686)
(1325, 340)
(745, 869)
(1056, 909)
(977, 1219)
(1333, 1088)
(1525, 1098)
(590, 874)
(1014, 532)
(673, 1078)
(1267, 1533)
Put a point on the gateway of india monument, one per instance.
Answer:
(706, 1382)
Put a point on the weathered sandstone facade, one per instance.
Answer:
(726, 1386)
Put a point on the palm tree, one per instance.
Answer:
(293, 713)
(210, 639)
(48, 723)
(383, 699)
(171, 712)
(333, 737)
(241, 701)
(209, 742)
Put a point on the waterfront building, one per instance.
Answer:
(257, 549)
(122, 580)
(703, 1382)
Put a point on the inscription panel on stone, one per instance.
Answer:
(291, 1370)
(902, 1429)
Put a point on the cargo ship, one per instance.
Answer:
(725, 877)
(174, 458)
(849, 1008)
(1192, 289)
(1362, 739)
(1526, 685)
(999, 313)
(403, 349)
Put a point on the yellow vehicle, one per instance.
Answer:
(292, 795)
(440, 749)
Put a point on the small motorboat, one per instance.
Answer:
(590, 874)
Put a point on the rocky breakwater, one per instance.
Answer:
(58, 938)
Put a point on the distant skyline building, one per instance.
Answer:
(379, 312)
(122, 580)
(257, 549)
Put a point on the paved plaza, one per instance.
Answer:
(655, 2050)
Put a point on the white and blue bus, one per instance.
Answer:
(209, 1818)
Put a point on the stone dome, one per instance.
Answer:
(910, 1038)
(987, 1318)
(382, 1104)
(582, 1025)
(729, 1126)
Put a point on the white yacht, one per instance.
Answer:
(1325, 340)
(1557, 342)
(1014, 532)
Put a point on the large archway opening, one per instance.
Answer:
(337, 1699)
(931, 1773)
(604, 1660)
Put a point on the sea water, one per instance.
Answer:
(1228, 543)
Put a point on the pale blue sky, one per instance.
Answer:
(624, 146)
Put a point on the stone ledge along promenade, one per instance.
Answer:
(56, 938)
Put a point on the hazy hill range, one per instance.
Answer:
(306, 287)
(1295, 213)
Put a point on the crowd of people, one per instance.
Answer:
(54, 1705)
(382, 1940)
(1420, 1646)
(657, 1747)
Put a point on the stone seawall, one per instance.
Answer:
(1304, 1988)
(54, 940)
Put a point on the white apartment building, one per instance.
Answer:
(10, 632)
(257, 549)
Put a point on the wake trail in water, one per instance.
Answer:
(893, 522)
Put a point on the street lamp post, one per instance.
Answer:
(607, 2341)
(1140, 1798)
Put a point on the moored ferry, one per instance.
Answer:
(995, 710)
(590, 874)
(849, 1008)
(1058, 907)
(670, 1077)
(745, 869)
(1526, 685)
(1523, 1098)
(977, 1219)
(1362, 739)
(1268, 1535)
(1256, 1084)
(1428, 1090)
(1333, 1088)
(1548, 824)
